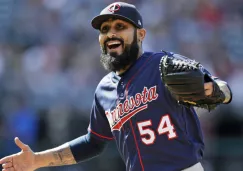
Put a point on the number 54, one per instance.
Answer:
(165, 127)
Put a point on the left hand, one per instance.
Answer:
(208, 88)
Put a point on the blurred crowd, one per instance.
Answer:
(50, 66)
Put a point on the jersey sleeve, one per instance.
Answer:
(99, 125)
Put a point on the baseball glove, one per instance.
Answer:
(185, 79)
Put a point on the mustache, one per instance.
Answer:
(113, 39)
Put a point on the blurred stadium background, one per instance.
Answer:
(49, 69)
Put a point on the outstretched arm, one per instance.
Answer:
(58, 156)
(27, 160)
(69, 153)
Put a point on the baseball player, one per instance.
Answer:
(145, 104)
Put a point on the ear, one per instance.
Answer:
(141, 34)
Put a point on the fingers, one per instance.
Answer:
(8, 169)
(208, 92)
(7, 165)
(208, 88)
(6, 159)
(21, 145)
(208, 85)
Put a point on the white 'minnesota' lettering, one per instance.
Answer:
(147, 95)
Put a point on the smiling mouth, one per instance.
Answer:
(112, 45)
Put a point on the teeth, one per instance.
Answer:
(113, 43)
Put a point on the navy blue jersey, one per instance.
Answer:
(152, 131)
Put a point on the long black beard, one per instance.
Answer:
(114, 62)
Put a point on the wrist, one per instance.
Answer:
(224, 88)
(39, 160)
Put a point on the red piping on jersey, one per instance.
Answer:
(129, 82)
(126, 94)
(136, 143)
(101, 136)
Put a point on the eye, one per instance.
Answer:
(120, 26)
(104, 29)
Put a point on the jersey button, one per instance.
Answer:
(122, 84)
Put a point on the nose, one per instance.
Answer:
(111, 34)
